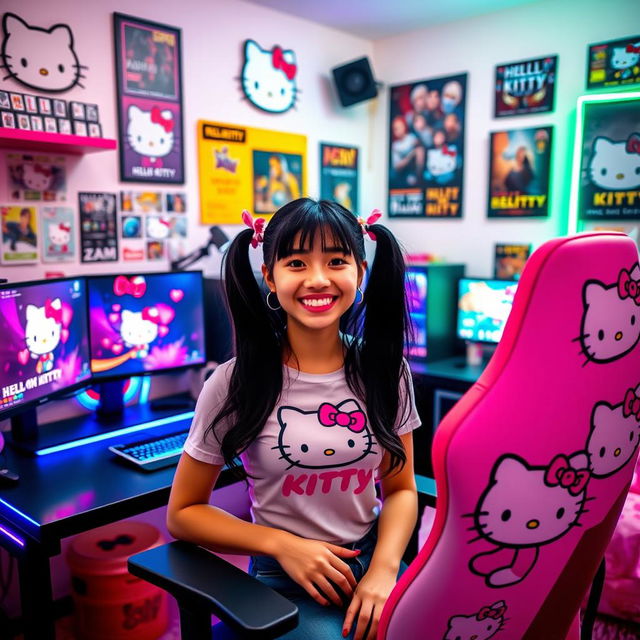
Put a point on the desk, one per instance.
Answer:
(66, 493)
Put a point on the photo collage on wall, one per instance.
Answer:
(149, 84)
(153, 225)
(426, 149)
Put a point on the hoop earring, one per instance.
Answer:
(359, 290)
(268, 305)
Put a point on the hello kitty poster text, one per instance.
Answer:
(614, 63)
(609, 186)
(149, 81)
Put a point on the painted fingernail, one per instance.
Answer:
(344, 633)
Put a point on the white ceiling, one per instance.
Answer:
(374, 19)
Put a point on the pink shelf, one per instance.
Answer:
(53, 142)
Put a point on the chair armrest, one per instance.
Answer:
(202, 580)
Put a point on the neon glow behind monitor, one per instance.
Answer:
(145, 323)
(483, 308)
(44, 350)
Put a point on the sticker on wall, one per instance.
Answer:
(426, 152)
(43, 59)
(98, 237)
(268, 77)
(36, 177)
(509, 260)
(19, 231)
(609, 179)
(525, 87)
(149, 83)
(244, 167)
(519, 164)
(58, 226)
(614, 63)
(339, 175)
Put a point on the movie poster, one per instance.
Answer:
(37, 177)
(609, 186)
(614, 63)
(19, 235)
(510, 260)
(426, 149)
(58, 226)
(519, 163)
(525, 87)
(339, 175)
(98, 235)
(244, 167)
(149, 84)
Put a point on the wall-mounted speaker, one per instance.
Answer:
(355, 82)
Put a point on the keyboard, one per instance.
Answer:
(153, 453)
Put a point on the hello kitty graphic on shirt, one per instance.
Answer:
(478, 626)
(523, 508)
(43, 333)
(611, 318)
(43, 59)
(332, 436)
(150, 134)
(615, 434)
(615, 165)
(268, 78)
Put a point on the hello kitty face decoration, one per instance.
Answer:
(611, 317)
(615, 164)
(43, 59)
(268, 78)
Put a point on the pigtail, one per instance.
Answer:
(385, 332)
(258, 367)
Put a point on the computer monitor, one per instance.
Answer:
(416, 293)
(44, 342)
(142, 324)
(483, 308)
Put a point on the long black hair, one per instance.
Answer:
(374, 331)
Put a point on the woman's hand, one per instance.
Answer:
(367, 603)
(313, 563)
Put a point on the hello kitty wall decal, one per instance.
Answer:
(40, 58)
(269, 77)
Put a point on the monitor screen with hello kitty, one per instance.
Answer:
(145, 323)
(44, 349)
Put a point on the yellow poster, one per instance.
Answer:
(247, 168)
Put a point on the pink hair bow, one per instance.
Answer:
(633, 141)
(257, 224)
(329, 416)
(135, 287)
(628, 287)
(561, 473)
(151, 314)
(631, 405)
(52, 312)
(376, 214)
(157, 118)
(278, 62)
(490, 612)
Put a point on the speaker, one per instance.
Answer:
(355, 82)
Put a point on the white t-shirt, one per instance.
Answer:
(314, 463)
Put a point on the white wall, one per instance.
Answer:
(212, 35)
(476, 45)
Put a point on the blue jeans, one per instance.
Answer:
(316, 622)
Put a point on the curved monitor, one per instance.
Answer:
(145, 323)
(483, 308)
(44, 345)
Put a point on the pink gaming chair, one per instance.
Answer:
(532, 467)
(533, 464)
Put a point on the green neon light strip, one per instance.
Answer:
(577, 148)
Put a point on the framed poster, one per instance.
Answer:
(426, 148)
(247, 168)
(509, 260)
(525, 87)
(98, 235)
(149, 86)
(606, 178)
(19, 233)
(613, 63)
(58, 226)
(339, 175)
(519, 163)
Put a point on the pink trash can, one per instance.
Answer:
(110, 603)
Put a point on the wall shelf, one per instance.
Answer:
(53, 142)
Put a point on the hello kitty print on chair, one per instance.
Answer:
(39, 58)
(268, 77)
(533, 464)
